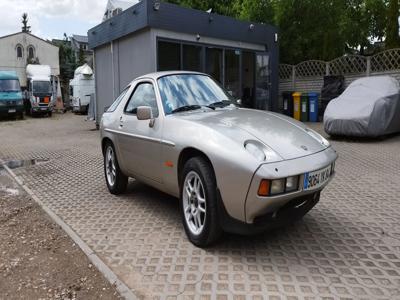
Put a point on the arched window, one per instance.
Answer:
(31, 52)
(19, 51)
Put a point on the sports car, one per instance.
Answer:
(234, 169)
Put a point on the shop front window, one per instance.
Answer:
(232, 72)
(214, 63)
(191, 58)
(169, 56)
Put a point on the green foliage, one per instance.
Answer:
(67, 59)
(25, 27)
(311, 29)
(81, 57)
(392, 39)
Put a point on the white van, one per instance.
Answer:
(81, 87)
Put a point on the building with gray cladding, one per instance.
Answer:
(152, 36)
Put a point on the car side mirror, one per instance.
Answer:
(239, 101)
(144, 113)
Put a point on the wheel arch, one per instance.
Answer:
(104, 141)
(188, 153)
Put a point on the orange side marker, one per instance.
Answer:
(169, 164)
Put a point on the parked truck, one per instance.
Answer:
(39, 94)
(11, 101)
(81, 87)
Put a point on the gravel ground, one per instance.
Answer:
(37, 259)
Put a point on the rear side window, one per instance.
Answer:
(117, 101)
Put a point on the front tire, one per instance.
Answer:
(199, 202)
(115, 179)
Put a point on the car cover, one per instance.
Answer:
(369, 107)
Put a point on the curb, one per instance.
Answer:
(121, 287)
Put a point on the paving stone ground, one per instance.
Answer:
(347, 247)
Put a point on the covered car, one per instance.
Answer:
(369, 107)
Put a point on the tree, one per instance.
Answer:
(25, 27)
(81, 57)
(392, 29)
(312, 29)
(67, 65)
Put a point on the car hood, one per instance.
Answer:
(287, 137)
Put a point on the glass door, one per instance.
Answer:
(214, 63)
(263, 84)
(232, 73)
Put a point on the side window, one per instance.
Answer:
(117, 101)
(143, 95)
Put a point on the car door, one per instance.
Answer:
(139, 140)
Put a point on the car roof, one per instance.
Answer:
(157, 75)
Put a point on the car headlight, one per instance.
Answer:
(261, 152)
(318, 137)
(278, 186)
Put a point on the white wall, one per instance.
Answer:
(45, 51)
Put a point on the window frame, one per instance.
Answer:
(33, 52)
(126, 90)
(136, 85)
(19, 46)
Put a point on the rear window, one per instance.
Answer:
(117, 101)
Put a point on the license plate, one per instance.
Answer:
(43, 108)
(316, 179)
(12, 110)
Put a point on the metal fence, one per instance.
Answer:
(308, 76)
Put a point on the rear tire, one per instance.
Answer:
(199, 202)
(115, 179)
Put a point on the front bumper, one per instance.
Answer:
(257, 206)
(41, 109)
(11, 109)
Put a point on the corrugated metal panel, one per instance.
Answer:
(135, 57)
(104, 79)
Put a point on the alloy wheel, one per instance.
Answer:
(111, 170)
(194, 202)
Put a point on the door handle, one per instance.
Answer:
(121, 122)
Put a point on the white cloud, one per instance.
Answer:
(88, 11)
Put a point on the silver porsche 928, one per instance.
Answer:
(234, 169)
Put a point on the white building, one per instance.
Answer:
(115, 7)
(17, 49)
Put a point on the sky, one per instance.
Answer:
(51, 18)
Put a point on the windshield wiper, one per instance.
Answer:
(186, 108)
(221, 104)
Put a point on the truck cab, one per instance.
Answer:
(11, 101)
(40, 90)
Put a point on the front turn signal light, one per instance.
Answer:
(263, 189)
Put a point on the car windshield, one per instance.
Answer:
(9, 85)
(42, 87)
(184, 92)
